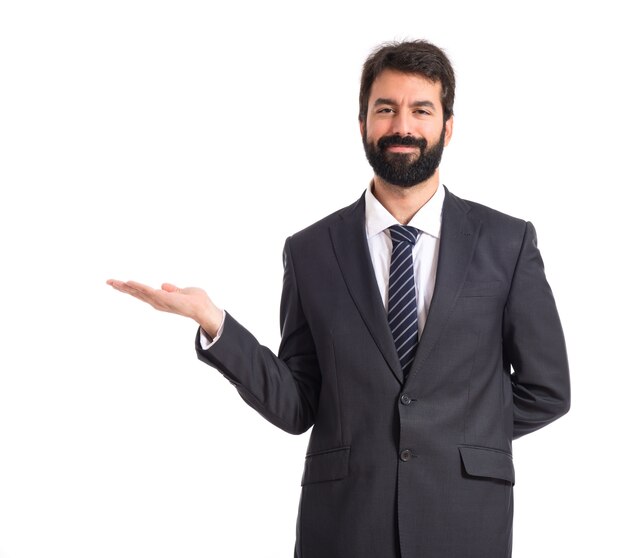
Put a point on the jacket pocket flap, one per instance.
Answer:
(326, 465)
(487, 462)
(481, 289)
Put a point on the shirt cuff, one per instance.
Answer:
(205, 341)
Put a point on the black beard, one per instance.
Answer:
(401, 169)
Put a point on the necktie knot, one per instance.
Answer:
(403, 233)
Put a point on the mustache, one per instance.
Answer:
(396, 140)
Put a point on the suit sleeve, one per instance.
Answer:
(284, 389)
(534, 344)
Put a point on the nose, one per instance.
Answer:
(401, 124)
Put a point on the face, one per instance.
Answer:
(404, 133)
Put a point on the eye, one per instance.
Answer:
(384, 110)
(423, 112)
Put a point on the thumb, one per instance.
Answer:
(170, 288)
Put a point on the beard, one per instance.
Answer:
(404, 169)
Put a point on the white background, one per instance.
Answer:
(160, 141)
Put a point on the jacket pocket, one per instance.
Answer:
(326, 465)
(481, 289)
(487, 462)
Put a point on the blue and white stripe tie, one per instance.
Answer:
(402, 300)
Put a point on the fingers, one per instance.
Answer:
(167, 299)
(118, 285)
(140, 287)
(138, 290)
(190, 302)
(127, 286)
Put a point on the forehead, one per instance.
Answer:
(401, 87)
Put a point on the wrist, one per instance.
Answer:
(211, 320)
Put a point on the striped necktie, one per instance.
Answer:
(402, 300)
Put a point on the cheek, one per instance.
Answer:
(432, 133)
(375, 130)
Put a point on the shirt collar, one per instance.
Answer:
(427, 219)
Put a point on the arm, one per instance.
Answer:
(534, 345)
(284, 389)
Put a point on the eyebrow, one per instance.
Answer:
(383, 101)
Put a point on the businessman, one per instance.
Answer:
(419, 338)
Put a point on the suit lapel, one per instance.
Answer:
(350, 245)
(459, 233)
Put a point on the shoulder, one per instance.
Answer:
(498, 232)
(355, 212)
(489, 217)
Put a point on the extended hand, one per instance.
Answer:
(191, 302)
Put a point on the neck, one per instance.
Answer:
(403, 203)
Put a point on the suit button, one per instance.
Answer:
(406, 399)
(405, 455)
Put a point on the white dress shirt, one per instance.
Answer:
(425, 252)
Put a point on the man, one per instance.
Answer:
(419, 337)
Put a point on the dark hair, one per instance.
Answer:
(409, 57)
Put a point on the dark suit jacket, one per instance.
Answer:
(422, 467)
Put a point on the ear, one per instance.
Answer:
(449, 125)
(361, 125)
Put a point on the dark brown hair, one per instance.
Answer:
(409, 57)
